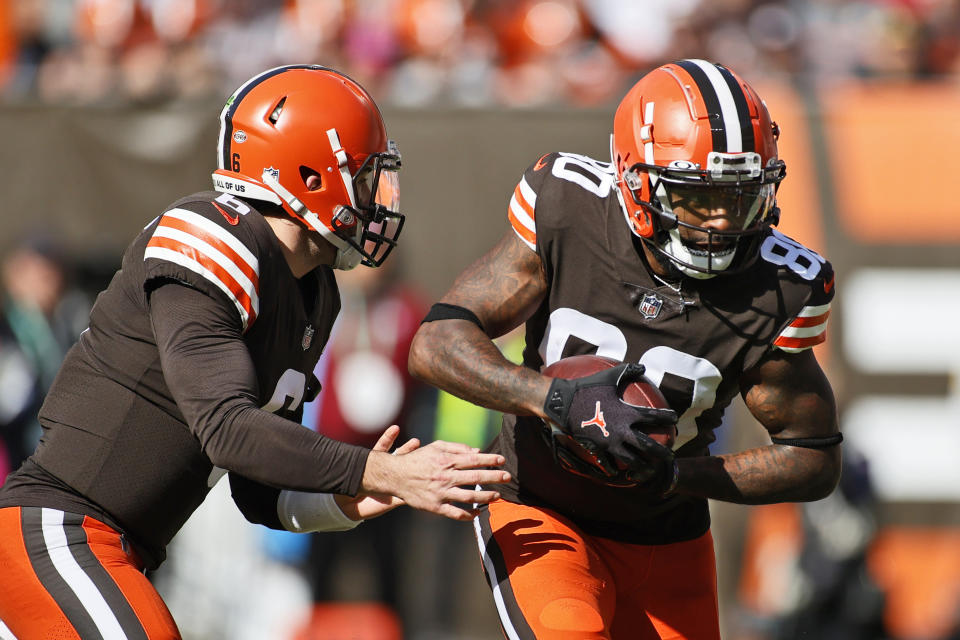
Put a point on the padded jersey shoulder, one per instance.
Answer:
(557, 191)
(214, 242)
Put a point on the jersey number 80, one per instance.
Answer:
(700, 378)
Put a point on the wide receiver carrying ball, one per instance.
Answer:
(641, 393)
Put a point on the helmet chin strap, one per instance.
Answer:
(347, 256)
(342, 161)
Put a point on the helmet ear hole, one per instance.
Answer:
(312, 179)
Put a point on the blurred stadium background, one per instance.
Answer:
(108, 113)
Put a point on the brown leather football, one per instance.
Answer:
(642, 393)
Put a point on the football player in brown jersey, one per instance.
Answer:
(665, 257)
(197, 361)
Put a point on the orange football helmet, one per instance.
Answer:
(688, 131)
(294, 121)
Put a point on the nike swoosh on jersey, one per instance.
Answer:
(540, 163)
(190, 240)
(234, 220)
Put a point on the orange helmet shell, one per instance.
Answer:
(280, 122)
(289, 123)
(675, 116)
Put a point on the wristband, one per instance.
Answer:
(810, 443)
(302, 511)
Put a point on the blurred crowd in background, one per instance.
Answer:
(453, 52)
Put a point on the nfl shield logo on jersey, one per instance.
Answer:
(650, 306)
(307, 337)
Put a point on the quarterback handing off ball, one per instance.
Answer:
(618, 441)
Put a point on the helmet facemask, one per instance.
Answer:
(735, 187)
(373, 222)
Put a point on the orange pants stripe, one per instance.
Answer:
(68, 576)
(551, 581)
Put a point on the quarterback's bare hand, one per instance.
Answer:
(366, 505)
(434, 477)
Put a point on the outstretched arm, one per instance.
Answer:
(503, 288)
(364, 506)
(266, 451)
(791, 397)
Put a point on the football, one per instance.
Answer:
(642, 393)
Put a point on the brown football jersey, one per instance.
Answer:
(695, 342)
(197, 359)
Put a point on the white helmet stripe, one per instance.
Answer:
(728, 106)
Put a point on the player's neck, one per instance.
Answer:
(655, 263)
(303, 250)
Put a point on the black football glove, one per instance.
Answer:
(597, 435)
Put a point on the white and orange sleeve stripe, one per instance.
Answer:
(808, 329)
(523, 204)
(190, 240)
